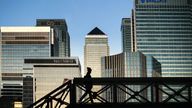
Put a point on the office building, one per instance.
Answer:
(17, 43)
(96, 46)
(164, 31)
(61, 48)
(126, 35)
(50, 73)
(113, 66)
(129, 64)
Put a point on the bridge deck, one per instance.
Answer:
(132, 105)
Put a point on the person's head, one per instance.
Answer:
(89, 70)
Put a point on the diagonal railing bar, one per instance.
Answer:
(149, 85)
(103, 89)
(126, 93)
(135, 89)
(103, 100)
(137, 93)
(97, 93)
(131, 95)
(65, 95)
(163, 91)
(49, 96)
(178, 92)
(64, 90)
(166, 94)
(81, 87)
(175, 93)
(86, 100)
(60, 99)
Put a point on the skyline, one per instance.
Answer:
(126, 45)
(81, 17)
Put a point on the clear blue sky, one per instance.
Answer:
(81, 16)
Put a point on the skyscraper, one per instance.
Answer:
(164, 31)
(17, 43)
(96, 46)
(61, 47)
(126, 34)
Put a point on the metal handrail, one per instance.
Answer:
(47, 99)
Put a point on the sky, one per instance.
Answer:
(81, 17)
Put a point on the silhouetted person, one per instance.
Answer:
(88, 85)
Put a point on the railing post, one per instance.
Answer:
(115, 93)
(152, 94)
(72, 94)
(156, 92)
(189, 93)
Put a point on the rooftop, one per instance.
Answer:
(96, 31)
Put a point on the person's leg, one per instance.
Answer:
(91, 97)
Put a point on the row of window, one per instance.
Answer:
(164, 39)
(163, 9)
(163, 28)
(165, 36)
(24, 33)
(174, 70)
(162, 13)
(164, 17)
(166, 48)
(165, 55)
(166, 24)
(163, 21)
(166, 32)
(162, 6)
(164, 44)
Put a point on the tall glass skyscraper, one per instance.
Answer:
(16, 44)
(164, 31)
(61, 47)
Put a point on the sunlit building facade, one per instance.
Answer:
(17, 43)
(129, 64)
(164, 31)
(50, 73)
(96, 46)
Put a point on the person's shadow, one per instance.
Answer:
(88, 85)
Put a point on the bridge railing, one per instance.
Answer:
(54, 99)
(135, 90)
(120, 90)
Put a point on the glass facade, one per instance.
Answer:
(126, 34)
(135, 64)
(129, 64)
(27, 98)
(61, 46)
(164, 31)
(18, 43)
(113, 66)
